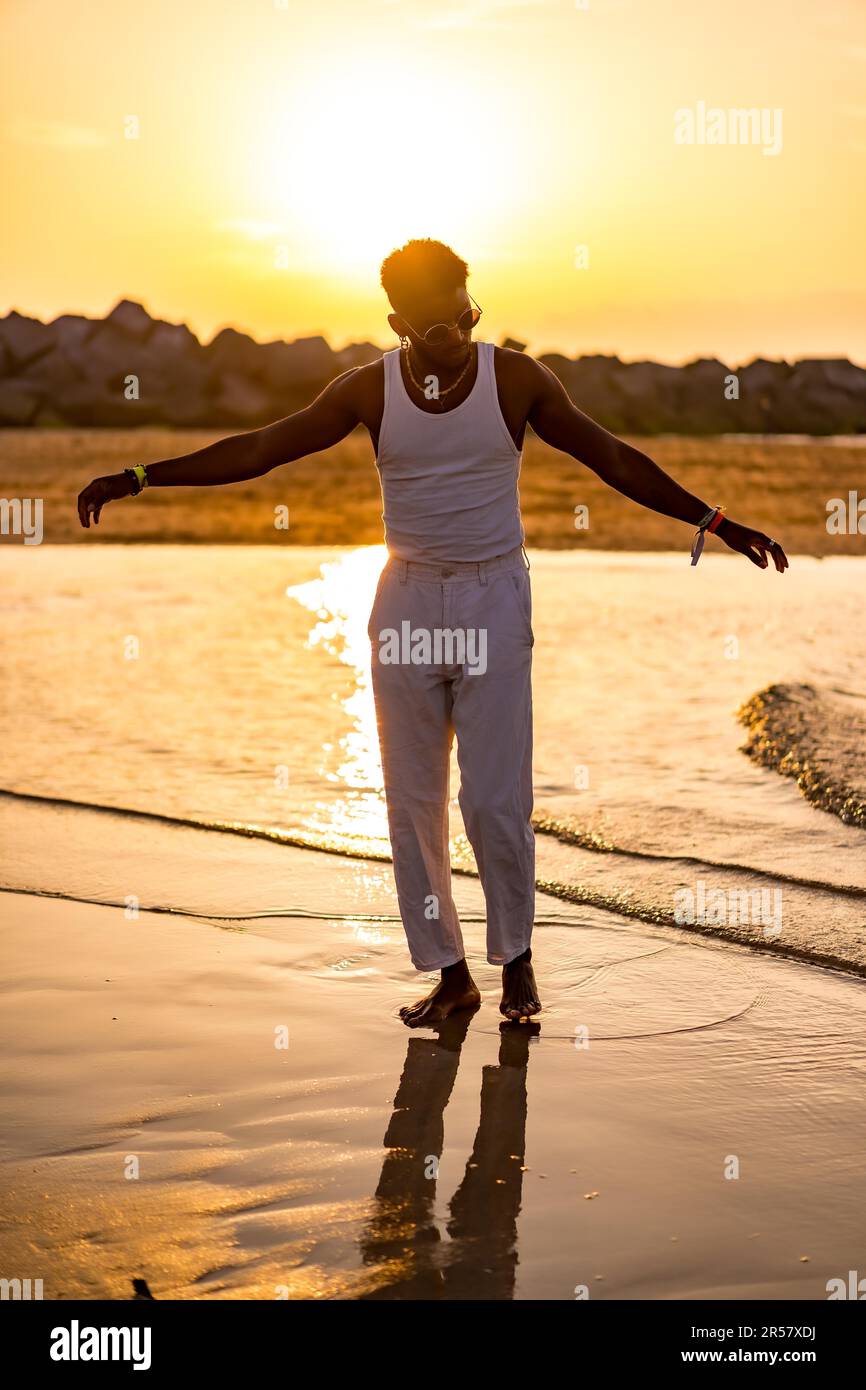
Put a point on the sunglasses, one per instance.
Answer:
(439, 332)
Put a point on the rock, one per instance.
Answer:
(706, 373)
(700, 401)
(24, 339)
(563, 366)
(296, 368)
(109, 355)
(71, 331)
(820, 398)
(173, 340)
(760, 384)
(513, 344)
(277, 373)
(648, 396)
(91, 403)
(240, 401)
(841, 375)
(312, 360)
(54, 370)
(233, 352)
(590, 381)
(110, 358)
(356, 355)
(763, 376)
(130, 318)
(19, 401)
(187, 408)
(643, 381)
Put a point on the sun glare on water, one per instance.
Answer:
(340, 601)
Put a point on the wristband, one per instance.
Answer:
(709, 523)
(138, 473)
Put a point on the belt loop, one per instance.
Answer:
(526, 557)
(404, 571)
(482, 572)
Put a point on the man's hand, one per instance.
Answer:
(753, 544)
(241, 457)
(94, 497)
(557, 421)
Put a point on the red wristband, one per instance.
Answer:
(701, 534)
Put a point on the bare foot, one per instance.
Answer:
(519, 990)
(456, 990)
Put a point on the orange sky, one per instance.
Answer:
(284, 148)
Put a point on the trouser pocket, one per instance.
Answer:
(372, 622)
(523, 593)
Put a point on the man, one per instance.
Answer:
(451, 628)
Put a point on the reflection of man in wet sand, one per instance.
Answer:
(451, 627)
(401, 1239)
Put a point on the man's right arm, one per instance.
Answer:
(331, 417)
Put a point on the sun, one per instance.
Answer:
(365, 155)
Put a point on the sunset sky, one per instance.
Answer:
(284, 149)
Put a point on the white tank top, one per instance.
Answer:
(449, 482)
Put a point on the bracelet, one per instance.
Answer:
(138, 473)
(710, 522)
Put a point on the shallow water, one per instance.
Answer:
(232, 684)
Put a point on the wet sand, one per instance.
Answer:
(365, 1161)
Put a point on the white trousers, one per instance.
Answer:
(451, 649)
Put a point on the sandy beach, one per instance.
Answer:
(155, 1129)
(333, 498)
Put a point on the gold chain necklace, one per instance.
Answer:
(448, 389)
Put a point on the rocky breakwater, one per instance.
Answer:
(131, 369)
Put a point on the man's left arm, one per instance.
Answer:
(557, 420)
